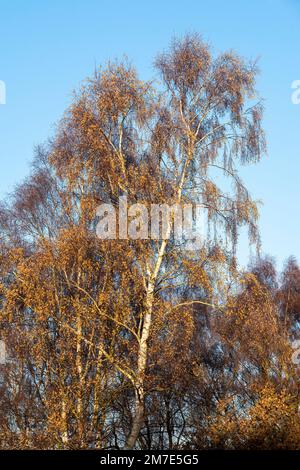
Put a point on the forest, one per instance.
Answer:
(139, 343)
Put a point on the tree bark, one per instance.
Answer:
(139, 406)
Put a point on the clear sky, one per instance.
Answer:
(47, 48)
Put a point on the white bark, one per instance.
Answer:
(138, 418)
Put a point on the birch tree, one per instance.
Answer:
(107, 312)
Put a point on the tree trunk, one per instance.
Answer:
(142, 362)
(64, 420)
(138, 418)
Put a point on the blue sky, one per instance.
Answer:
(48, 48)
